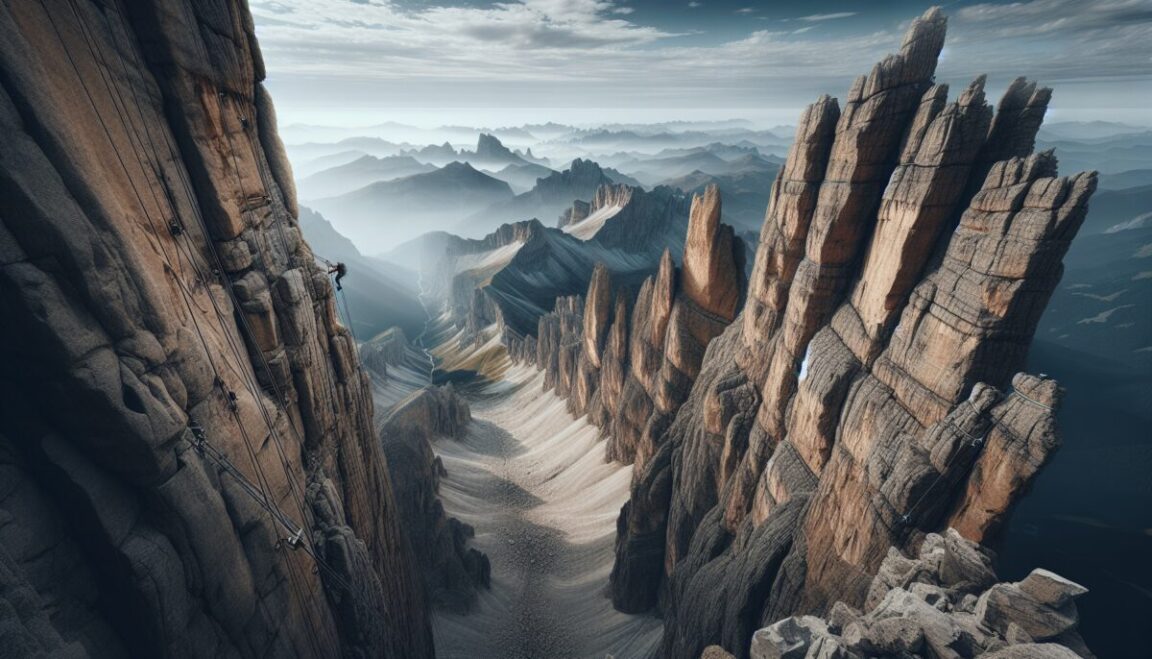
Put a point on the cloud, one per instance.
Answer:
(745, 10)
(827, 17)
(1054, 40)
(587, 52)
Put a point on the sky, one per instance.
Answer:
(477, 63)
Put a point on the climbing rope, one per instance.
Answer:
(348, 316)
(177, 230)
(250, 384)
(294, 536)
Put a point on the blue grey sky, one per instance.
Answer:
(350, 62)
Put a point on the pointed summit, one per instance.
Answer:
(711, 269)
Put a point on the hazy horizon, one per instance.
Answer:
(472, 62)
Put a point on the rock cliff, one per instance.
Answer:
(189, 463)
(908, 250)
(452, 571)
(628, 359)
(863, 391)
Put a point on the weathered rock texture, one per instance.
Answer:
(627, 361)
(452, 571)
(869, 393)
(944, 603)
(863, 391)
(152, 277)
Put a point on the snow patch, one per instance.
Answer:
(588, 227)
(490, 261)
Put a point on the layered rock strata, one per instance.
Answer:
(870, 393)
(867, 391)
(628, 361)
(452, 571)
(178, 396)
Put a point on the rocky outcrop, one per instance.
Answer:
(943, 603)
(711, 272)
(452, 571)
(637, 222)
(489, 149)
(578, 211)
(628, 362)
(871, 393)
(386, 349)
(188, 460)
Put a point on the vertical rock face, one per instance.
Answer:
(631, 373)
(452, 571)
(153, 280)
(710, 269)
(870, 394)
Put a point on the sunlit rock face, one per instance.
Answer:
(152, 277)
(870, 391)
(862, 389)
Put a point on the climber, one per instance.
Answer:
(340, 269)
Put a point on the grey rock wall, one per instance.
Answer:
(152, 278)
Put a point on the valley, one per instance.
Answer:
(535, 482)
(875, 383)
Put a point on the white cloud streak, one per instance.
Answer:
(590, 52)
(827, 17)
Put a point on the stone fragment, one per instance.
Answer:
(1049, 588)
(1007, 604)
(790, 638)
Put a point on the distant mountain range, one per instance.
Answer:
(522, 177)
(490, 153)
(546, 200)
(521, 268)
(388, 212)
(1109, 154)
(359, 173)
(382, 294)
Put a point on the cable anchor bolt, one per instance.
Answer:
(199, 437)
(296, 540)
